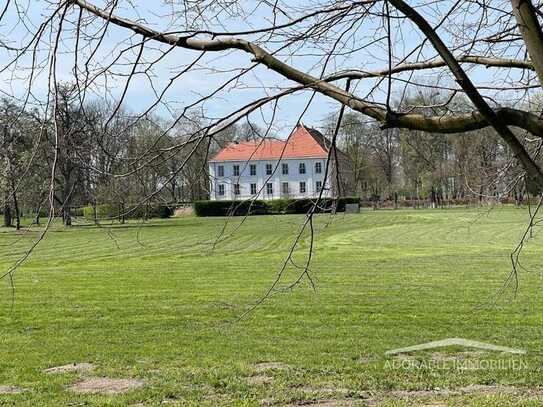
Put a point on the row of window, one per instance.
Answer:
(285, 188)
(269, 169)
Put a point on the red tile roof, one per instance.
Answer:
(302, 143)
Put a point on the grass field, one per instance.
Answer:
(159, 303)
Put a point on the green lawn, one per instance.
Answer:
(159, 302)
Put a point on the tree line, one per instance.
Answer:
(429, 168)
(135, 162)
(89, 156)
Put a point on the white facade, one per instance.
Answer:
(267, 179)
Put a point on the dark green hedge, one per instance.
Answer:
(347, 200)
(276, 206)
(324, 205)
(228, 208)
(279, 205)
(107, 211)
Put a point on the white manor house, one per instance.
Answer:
(273, 169)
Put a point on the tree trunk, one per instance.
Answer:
(121, 213)
(15, 203)
(8, 222)
(530, 30)
(432, 198)
(94, 213)
(67, 199)
(67, 216)
(37, 216)
(7, 175)
(17, 212)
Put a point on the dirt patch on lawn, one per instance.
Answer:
(325, 403)
(261, 367)
(340, 390)
(104, 385)
(11, 390)
(331, 395)
(331, 390)
(499, 389)
(416, 394)
(260, 380)
(70, 368)
(474, 389)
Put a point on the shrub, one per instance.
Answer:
(111, 211)
(44, 212)
(162, 211)
(324, 205)
(302, 205)
(226, 208)
(275, 206)
(104, 211)
(78, 212)
(278, 206)
(88, 212)
(137, 212)
(347, 200)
